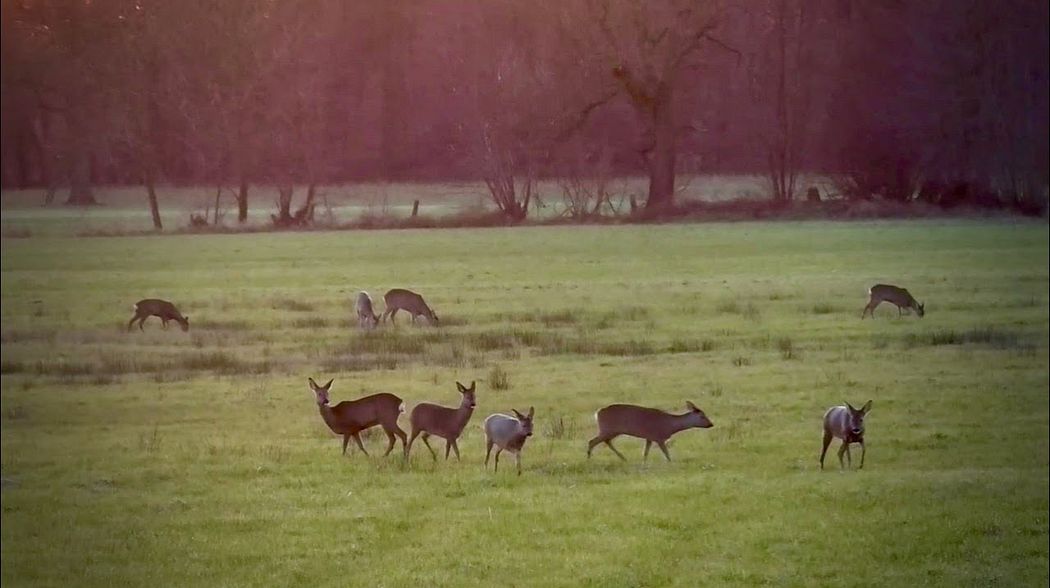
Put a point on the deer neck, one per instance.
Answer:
(680, 422)
(463, 415)
(328, 415)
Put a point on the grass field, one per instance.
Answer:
(199, 458)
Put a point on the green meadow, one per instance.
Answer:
(168, 458)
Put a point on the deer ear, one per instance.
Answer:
(313, 384)
(329, 384)
(691, 406)
(532, 411)
(461, 387)
(473, 385)
(517, 414)
(850, 406)
(866, 408)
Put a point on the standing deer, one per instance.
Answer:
(350, 417)
(447, 423)
(507, 432)
(400, 299)
(900, 297)
(655, 426)
(366, 316)
(158, 308)
(846, 423)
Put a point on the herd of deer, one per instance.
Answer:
(509, 432)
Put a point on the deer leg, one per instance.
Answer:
(900, 312)
(132, 321)
(592, 443)
(392, 312)
(842, 451)
(863, 450)
(498, 451)
(346, 440)
(488, 450)
(869, 309)
(427, 443)
(164, 323)
(455, 448)
(393, 432)
(361, 446)
(827, 442)
(849, 458)
(142, 320)
(411, 439)
(648, 444)
(609, 443)
(390, 445)
(663, 447)
(517, 460)
(448, 447)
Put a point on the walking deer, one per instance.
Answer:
(507, 433)
(900, 297)
(163, 309)
(366, 316)
(655, 426)
(400, 299)
(846, 423)
(350, 417)
(439, 421)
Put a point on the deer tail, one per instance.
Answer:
(401, 407)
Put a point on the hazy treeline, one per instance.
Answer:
(895, 97)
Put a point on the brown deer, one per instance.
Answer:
(439, 421)
(401, 299)
(900, 297)
(366, 317)
(350, 417)
(507, 433)
(846, 423)
(158, 308)
(655, 426)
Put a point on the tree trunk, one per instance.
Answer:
(80, 191)
(154, 209)
(662, 162)
(242, 201)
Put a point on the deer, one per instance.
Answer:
(350, 417)
(653, 425)
(900, 297)
(846, 423)
(366, 316)
(163, 309)
(401, 299)
(507, 433)
(439, 421)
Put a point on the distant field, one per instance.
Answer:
(125, 208)
(171, 458)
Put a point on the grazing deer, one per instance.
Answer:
(846, 423)
(350, 417)
(447, 423)
(507, 432)
(900, 297)
(655, 426)
(400, 299)
(366, 316)
(158, 308)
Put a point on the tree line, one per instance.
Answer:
(945, 100)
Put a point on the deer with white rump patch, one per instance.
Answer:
(401, 299)
(655, 426)
(899, 297)
(366, 316)
(439, 421)
(846, 423)
(509, 433)
(350, 417)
